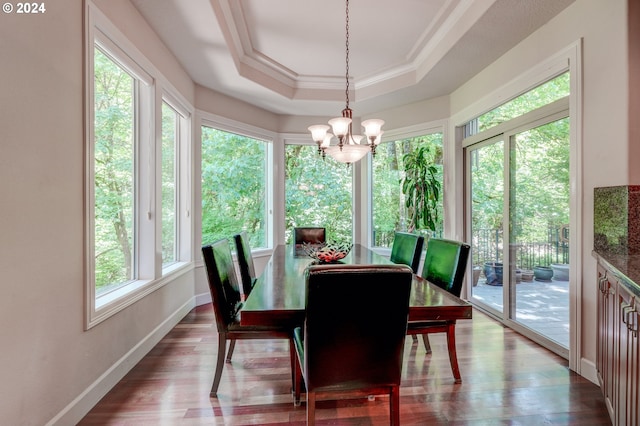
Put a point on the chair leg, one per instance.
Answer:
(293, 360)
(415, 338)
(222, 346)
(311, 408)
(453, 357)
(297, 386)
(394, 406)
(232, 346)
(427, 346)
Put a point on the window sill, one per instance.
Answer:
(106, 305)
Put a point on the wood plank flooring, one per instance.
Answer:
(507, 380)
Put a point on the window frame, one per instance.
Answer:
(568, 58)
(176, 119)
(231, 126)
(472, 127)
(182, 178)
(149, 274)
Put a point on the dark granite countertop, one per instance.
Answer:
(624, 266)
(616, 232)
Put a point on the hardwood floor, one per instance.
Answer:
(507, 380)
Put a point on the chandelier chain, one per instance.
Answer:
(349, 148)
(347, 51)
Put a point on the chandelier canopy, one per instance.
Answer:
(349, 148)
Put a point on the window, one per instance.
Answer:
(519, 221)
(137, 191)
(388, 201)
(115, 97)
(317, 193)
(170, 123)
(234, 186)
(546, 93)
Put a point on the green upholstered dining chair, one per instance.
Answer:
(227, 301)
(444, 265)
(407, 249)
(245, 263)
(360, 350)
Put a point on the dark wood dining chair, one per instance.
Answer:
(444, 265)
(310, 235)
(354, 333)
(245, 263)
(226, 300)
(407, 249)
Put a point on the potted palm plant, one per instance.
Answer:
(421, 189)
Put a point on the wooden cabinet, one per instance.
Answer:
(606, 337)
(628, 362)
(618, 345)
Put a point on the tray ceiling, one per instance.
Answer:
(288, 56)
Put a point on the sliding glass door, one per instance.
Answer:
(485, 163)
(518, 224)
(539, 226)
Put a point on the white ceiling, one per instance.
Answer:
(288, 56)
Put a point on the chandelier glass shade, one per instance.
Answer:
(350, 148)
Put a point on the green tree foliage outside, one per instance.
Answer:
(113, 172)
(389, 211)
(169, 137)
(318, 192)
(538, 172)
(487, 180)
(540, 180)
(233, 186)
(539, 192)
(542, 95)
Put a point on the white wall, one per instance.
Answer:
(220, 104)
(602, 28)
(48, 362)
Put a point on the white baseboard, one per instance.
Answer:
(84, 402)
(588, 371)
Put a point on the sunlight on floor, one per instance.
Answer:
(541, 306)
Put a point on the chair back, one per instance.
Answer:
(223, 284)
(356, 320)
(245, 262)
(445, 264)
(407, 249)
(309, 235)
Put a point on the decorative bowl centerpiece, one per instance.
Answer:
(327, 252)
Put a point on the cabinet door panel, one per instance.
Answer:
(627, 397)
(618, 347)
(602, 278)
(606, 337)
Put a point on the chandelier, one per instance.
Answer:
(349, 148)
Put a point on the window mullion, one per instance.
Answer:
(148, 216)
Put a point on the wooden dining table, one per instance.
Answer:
(278, 297)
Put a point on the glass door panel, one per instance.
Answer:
(538, 230)
(485, 163)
